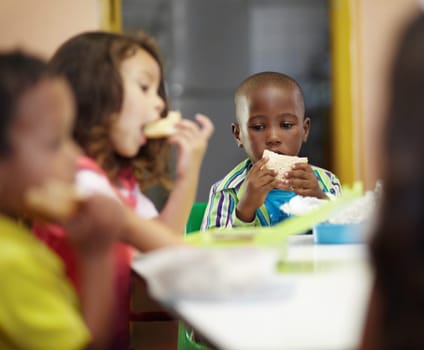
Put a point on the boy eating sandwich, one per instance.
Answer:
(271, 126)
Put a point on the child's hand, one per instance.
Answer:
(260, 180)
(98, 223)
(191, 140)
(302, 180)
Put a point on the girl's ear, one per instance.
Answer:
(235, 129)
(306, 128)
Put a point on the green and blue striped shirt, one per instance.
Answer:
(224, 196)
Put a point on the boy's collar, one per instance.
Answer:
(236, 176)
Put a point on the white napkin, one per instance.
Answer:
(300, 205)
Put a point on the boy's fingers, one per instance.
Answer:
(303, 192)
(279, 184)
(296, 174)
(301, 166)
(265, 173)
(298, 183)
(262, 181)
(282, 186)
(260, 164)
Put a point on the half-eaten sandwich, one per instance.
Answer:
(282, 163)
(163, 127)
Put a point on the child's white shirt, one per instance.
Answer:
(144, 206)
(90, 182)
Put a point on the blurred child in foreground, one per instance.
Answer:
(396, 311)
(38, 308)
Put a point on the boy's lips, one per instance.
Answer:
(275, 151)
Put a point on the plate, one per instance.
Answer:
(193, 273)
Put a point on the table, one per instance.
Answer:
(321, 307)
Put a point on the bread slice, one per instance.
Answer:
(54, 200)
(163, 127)
(282, 163)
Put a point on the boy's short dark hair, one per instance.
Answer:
(259, 80)
(18, 73)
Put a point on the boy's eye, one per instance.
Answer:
(257, 127)
(287, 125)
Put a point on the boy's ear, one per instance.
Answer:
(235, 129)
(306, 128)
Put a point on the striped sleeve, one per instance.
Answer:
(223, 199)
(219, 210)
(328, 182)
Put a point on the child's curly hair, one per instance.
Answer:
(91, 62)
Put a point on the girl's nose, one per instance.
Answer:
(159, 104)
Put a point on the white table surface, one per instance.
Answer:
(322, 308)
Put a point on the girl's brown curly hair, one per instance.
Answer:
(91, 62)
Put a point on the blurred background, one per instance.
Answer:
(339, 51)
(209, 47)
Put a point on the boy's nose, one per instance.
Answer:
(273, 137)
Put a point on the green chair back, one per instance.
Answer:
(185, 341)
(196, 217)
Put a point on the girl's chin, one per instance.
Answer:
(129, 152)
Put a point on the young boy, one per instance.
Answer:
(270, 116)
(38, 307)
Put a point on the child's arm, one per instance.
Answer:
(147, 234)
(218, 210)
(191, 141)
(92, 231)
(143, 234)
(258, 183)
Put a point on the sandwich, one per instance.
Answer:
(282, 163)
(163, 127)
(54, 200)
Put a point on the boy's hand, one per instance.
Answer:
(191, 140)
(260, 180)
(98, 223)
(302, 180)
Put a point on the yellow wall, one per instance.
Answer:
(40, 26)
(111, 15)
(364, 34)
(378, 27)
(343, 149)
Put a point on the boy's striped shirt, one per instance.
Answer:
(224, 196)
